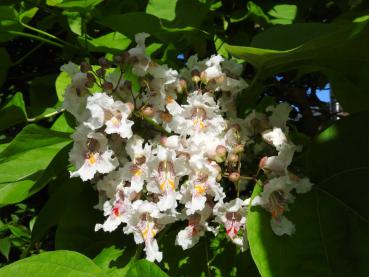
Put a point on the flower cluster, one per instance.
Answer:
(162, 146)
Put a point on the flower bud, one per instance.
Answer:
(221, 151)
(182, 86)
(90, 80)
(148, 111)
(203, 77)
(163, 140)
(100, 72)
(107, 86)
(239, 148)
(234, 177)
(104, 63)
(233, 158)
(166, 117)
(195, 76)
(85, 67)
(131, 106)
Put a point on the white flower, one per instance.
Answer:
(90, 154)
(166, 170)
(145, 222)
(280, 115)
(233, 216)
(137, 171)
(201, 115)
(75, 96)
(201, 185)
(114, 114)
(142, 64)
(117, 214)
(276, 137)
(282, 225)
(190, 236)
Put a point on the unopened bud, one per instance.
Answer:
(204, 77)
(221, 151)
(104, 63)
(148, 111)
(90, 80)
(85, 67)
(233, 158)
(166, 117)
(163, 140)
(236, 126)
(118, 59)
(182, 86)
(130, 106)
(195, 76)
(239, 148)
(107, 86)
(100, 72)
(234, 177)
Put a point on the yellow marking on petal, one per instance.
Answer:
(145, 232)
(163, 184)
(169, 99)
(200, 189)
(92, 159)
(115, 121)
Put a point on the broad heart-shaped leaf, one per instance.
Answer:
(113, 42)
(24, 162)
(145, 268)
(56, 264)
(332, 221)
(165, 9)
(14, 112)
(335, 53)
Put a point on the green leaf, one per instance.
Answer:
(145, 268)
(14, 112)
(112, 42)
(56, 263)
(10, 21)
(283, 14)
(332, 221)
(5, 247)
(333, 53)
(24, 162)
(4, 65)
(54, 208)
(106, 256)
(74, 4)
(165, 9)
(74, 21)
(65, 123)
(61, 83)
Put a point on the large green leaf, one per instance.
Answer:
(165, 9)
(332, 221)
(24, 162)
(145, 268)
(56, 263)
(13, 112)
(335, 53)
(113, 42)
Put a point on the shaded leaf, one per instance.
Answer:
(25, 160)
(106, 256)
(14, 112)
